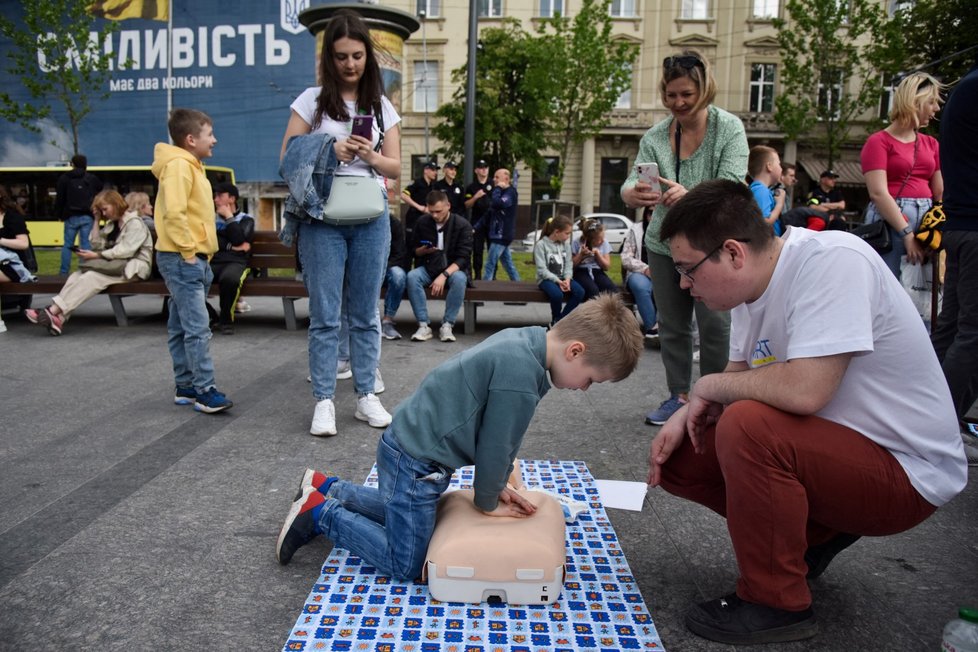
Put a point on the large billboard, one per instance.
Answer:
(241, 62)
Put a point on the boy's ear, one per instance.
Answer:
(574, 349)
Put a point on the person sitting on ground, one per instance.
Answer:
(398, 264)
(638, 275)
(235, 235)
(592, 258)
(443, 245)
(764, 169)
(555, 268)
(122, 250)
(472, 409)
(799, 423)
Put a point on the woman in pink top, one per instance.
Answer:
(903, 169)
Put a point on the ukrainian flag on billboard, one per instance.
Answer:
(123, 9)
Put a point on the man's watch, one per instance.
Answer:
(907, 230)
(446, 274)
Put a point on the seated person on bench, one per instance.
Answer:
(235, 234)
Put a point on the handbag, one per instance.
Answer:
(931, 224)
(876, 235)
(352, 201)
(114, 267)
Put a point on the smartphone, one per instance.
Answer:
(74, 248)
(649, 173)
(428, 243)
(363, 126)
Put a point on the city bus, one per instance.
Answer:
(34, 189)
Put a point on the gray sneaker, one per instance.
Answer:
(388, 331)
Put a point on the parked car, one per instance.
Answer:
(615, 230)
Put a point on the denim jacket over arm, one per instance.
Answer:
(307, 167)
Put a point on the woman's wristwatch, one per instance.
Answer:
(907, 230)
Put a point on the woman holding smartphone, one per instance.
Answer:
(347, 262)
(697, 142)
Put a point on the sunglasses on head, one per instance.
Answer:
(684, 61)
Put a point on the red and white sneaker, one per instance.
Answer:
(55, 322)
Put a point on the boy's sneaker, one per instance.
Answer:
(323, 419)
(423, 334)
(315, 479)
(379, 385)
(212, 402)
(300, 525)
(55, 322)
(445, 333)
(370, 410)
(39, 317)
(738, 622)
(668, 408)
(185, 396)
(389, 331)
(343, 370)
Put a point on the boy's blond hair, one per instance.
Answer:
(186, 122)
(611, 334)
(759, 157)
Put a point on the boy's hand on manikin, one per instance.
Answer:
(512, 503)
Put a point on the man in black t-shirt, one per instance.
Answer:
(477, 202)
(449, 185)
(826, 198)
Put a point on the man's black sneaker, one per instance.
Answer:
(818, 557)
(300, 525)
(737, 622)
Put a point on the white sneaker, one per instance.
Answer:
(343, 370)
(370, 410)
(242, 306)
(3, 327)
(378, 382)
(445, 333)
(423, 334)
(324, 419)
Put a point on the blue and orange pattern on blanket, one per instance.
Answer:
(351, 608)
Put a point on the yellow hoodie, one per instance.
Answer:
(184, 212)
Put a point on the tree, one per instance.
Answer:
(941, 29)
(57, 54)
(512, 91)
(588, 71)
(833, 53)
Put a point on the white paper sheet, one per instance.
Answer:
(621, 494)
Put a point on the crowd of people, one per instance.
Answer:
(787, 432)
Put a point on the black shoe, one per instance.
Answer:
(300, 526)
(227, 329)
(732, 620)
(818, 557)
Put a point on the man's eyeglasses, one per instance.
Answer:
(684, 61)
(688, 272)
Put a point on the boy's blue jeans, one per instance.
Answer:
(389, 527)
(188, 324)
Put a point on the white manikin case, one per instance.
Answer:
(473, 557)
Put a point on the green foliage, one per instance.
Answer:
(825, 43)
(940, 28)
(58, 56)
(589, 69)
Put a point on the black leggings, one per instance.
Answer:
(229, 277)
(595, 285)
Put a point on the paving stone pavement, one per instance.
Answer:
(129, 523)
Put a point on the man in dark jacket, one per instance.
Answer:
(442, 242)
(235, 234)
(76, 190)
(502, 226)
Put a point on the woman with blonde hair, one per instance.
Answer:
(902, 167)
(122, 250)
(696, 142)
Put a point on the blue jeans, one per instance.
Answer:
(80, 226)
(338, 261)
(499, 252)
(914, 209)
(343, 347)
(556, 296)
(396, 280)
(187, 327)
(389, 526)
(640, 286)
(418, 279)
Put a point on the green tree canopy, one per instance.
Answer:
(940, 29)
(58, 56)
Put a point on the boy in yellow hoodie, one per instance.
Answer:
(186, 239)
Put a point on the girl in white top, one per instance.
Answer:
(347, 263)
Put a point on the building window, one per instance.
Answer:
(696, 9)
(614, 171)
(894, 6)
(425, 86)
(762, 87)
(622, 8)
(550, 7)
(490, 8)
(830, 92)
(624, 100)
(765, 9)
(417, 167)
(541, 190)
(430, 8)
(886, 98)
